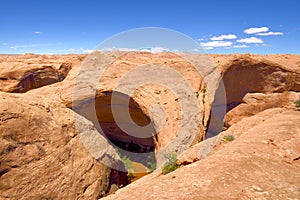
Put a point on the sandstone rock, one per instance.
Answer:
(247, 75)
(58, 164)
(253, 103)
(241, 74)
(239, 120)
(19, 74)
(42, 155)
(144, 99)
(262, 162)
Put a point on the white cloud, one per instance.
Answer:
(72, 50)
(87, 50)
(116, 49)
(37, 33)
(269, 33)
(224, 37)
(256, 30)
(205, 37)
(197, 49)
(216, 44)
(155, 49)
(240, 46)
(144, 49)
(253, 40)
(208, 48)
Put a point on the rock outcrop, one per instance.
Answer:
(49, 151)
(19, 74)
(263, 162)
(253, 103)
(247, 75)
(42, 155)
(82, 86)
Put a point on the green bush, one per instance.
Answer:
(151, 162)
(297, 103)
(131, 176)
(129, 167)
(229, 138)
(128, 164)
(152, 166)
(171, 164)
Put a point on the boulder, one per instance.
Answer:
(42, 155)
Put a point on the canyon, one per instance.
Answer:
(68, 122)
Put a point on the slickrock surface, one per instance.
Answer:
(42, 155)
(263, 162)
(47, 150)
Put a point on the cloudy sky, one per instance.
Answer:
(78, 26)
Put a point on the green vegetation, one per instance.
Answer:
(129, 167)
(151, 162)
(229, 137)
(128, 163)
(171, 164)
(152, 166)
(130, 176)
(297, 103)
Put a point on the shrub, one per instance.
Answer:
(131, 176)
(171, 164)
(152, 166)
(129, 167)
(127, 162)
(229, 138)
(151, 163)
(297, 103)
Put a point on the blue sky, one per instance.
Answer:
(78, 26)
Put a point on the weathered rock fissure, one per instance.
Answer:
(246, 76)
(40, 77)
(136, 145)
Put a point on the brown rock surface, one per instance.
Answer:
(253, 103)
(261, 163)
(42, 155)
(22, 73)
(145, 97)
(241, 74)
(255, 74)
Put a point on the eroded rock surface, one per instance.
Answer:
(261, 163)
(42, 155)
(19, 74)
(253, 103)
